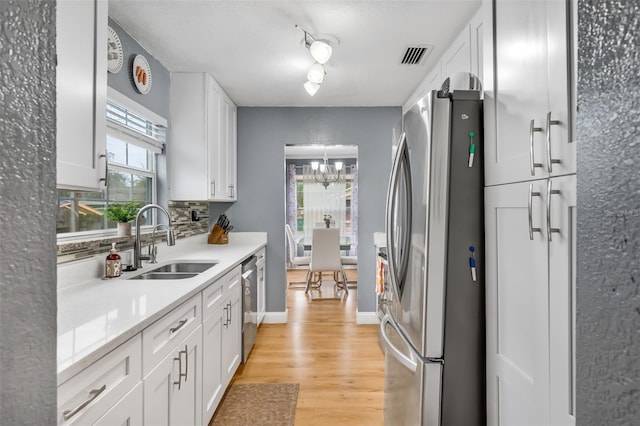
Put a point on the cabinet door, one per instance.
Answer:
(81, 83)
(173, 389)
(560, 141)
(262, 285)
(187, 152)
(214, 100)
(562, 290)
(232, 154)
(517, 305)
(212, 346)
(458, 57)
(520, 93)
(128, 411)
(232, 334)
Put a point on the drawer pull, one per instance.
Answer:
(178, 327)
(93, 394)
(186, 365)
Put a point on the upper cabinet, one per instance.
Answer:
(81, 83)
(463, 55)
(202, 148)
(531, 136)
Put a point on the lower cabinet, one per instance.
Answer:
(90, 395)
(126, 412)
(232, 334)
(173, 389)
(530, 301)
(221, 338)
(172, 373)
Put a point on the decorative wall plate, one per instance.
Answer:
(141, 74)
(115, 53)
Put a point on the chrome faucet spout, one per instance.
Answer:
(137, 246)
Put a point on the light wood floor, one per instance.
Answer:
(338, 363)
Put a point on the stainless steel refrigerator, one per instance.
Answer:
(433, 329)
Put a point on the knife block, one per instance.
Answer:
(218, 236)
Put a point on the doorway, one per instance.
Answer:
(321, 190)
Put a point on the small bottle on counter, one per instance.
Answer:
(113, 266)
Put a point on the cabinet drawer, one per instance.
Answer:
(212, 297)
(87, 396)
(161, 337)
(233, 279)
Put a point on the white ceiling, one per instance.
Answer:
(257, 55)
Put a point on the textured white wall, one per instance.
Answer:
(27, 213)
(608, 285)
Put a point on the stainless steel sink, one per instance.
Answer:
(185, 267)
(163, 276)
(175, 271)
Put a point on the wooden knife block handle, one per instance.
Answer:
(218, 236)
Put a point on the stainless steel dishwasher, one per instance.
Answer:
(249, 293)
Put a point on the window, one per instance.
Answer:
(132, 144)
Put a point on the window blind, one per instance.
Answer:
(135, 129)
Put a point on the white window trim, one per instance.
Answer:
(135, 107)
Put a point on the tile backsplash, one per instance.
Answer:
(183, 226)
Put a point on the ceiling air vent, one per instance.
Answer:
(415, 55)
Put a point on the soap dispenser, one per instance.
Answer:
(113, 266)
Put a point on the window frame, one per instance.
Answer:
(116, 130)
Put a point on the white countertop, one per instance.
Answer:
(97, 315)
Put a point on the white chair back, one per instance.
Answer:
(291, 242)
(325, 250)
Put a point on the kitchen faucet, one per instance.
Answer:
(153, 250)
(137, 249)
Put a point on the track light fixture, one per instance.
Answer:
(320, 51)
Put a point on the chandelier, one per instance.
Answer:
(323, 175)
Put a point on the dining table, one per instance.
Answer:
(306, 243)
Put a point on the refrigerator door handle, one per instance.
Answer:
(391, 199)
(408, 361)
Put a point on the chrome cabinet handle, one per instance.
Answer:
(231, 191)
(550, 192)
(532, 163)
(531, 228)
(550, 161)
(186, 364)
(93, 394)
(178, 327)
(105, 179)
(213, 188)
(226, 316)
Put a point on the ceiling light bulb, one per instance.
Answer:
(321, 51)
(338, 165)
(316, 73)
(311, 87)
(314, 165)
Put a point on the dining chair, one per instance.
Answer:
(325, 256)
(293, 258)
(350, 261)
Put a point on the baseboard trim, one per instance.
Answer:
(275, 317)
(367, 318)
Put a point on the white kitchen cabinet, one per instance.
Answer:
(232, 331)
(530, 275)
(90, 394)
(212, 344)
(262, 284)
(531, 97)
(202, 149)
(81, 93)
(173, 389)
(222, 337)
(128, 411)
(158, 340)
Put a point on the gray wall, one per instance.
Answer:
(608, 289)
(27, 214)
(157, 100)
(262, 135)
